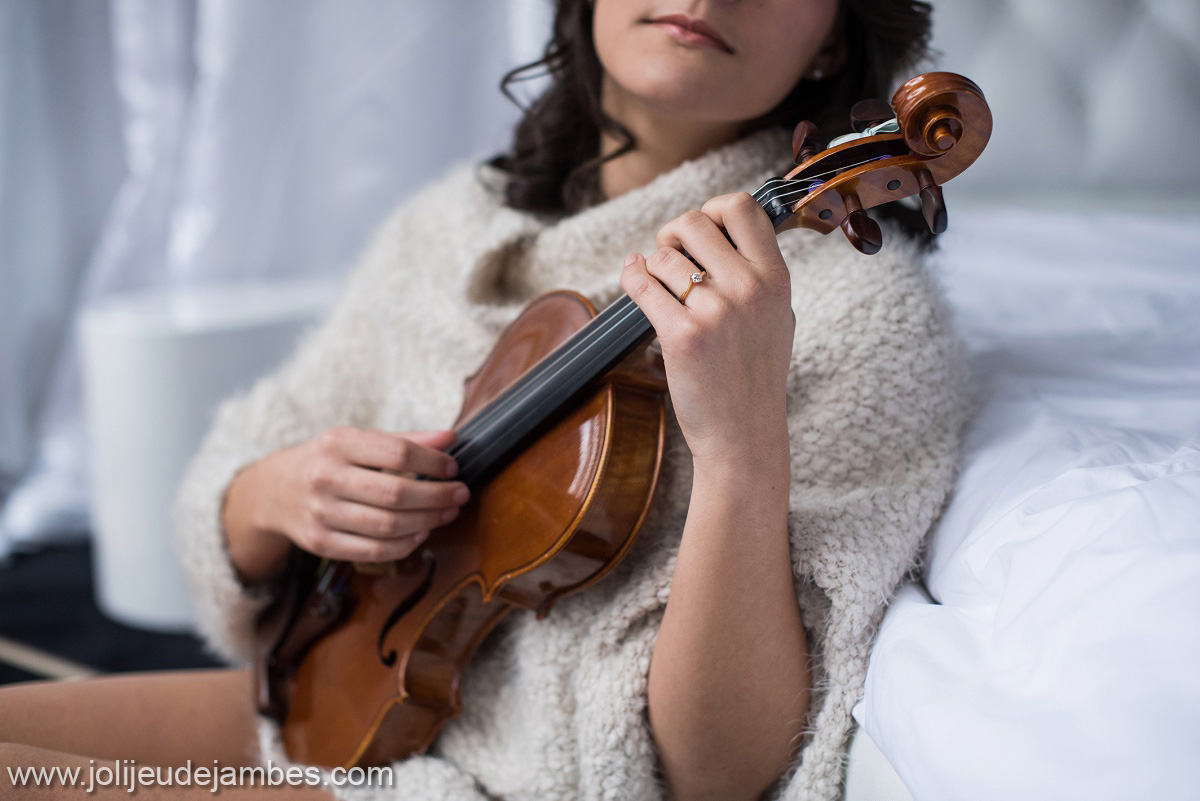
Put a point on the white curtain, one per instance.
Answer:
(169, 143)
(60, 165)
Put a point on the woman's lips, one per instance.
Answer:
(689, 31)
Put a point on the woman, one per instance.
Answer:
(817, 412)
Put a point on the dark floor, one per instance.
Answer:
(46, 601)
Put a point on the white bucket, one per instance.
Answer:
(155, 367)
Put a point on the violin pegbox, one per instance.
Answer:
(936, 126)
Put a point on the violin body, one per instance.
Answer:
(377, 677)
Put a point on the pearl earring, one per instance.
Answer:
(816, 74)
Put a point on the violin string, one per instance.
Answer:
(812, 179)
(489, 444)
(480, 426)
(476, 431)
(497, 405)
(580, 340)
(597, 330)
(554, 369)
(771, 184)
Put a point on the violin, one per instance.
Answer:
(560, 439)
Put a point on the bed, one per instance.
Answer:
(1050, 647)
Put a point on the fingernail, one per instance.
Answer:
(631, 258)
(449, 515)
(451, 468)
(461, 494)
(421, 536)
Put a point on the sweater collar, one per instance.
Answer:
(519, 255)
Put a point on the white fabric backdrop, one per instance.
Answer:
(1088, 96)
(60, 163)
(166, 143)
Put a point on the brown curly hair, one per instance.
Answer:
(553, 164)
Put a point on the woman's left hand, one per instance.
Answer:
(726, 348)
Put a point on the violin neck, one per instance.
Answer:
(533, 400)
(548, 387)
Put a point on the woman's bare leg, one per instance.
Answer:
(162, 718)
(167, 719)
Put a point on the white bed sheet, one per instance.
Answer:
(1061, 659)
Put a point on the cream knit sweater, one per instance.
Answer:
(556, 709)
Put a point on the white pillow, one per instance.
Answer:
(1062, 658)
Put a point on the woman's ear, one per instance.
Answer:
(831, 58)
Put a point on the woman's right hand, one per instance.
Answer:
(347, 494)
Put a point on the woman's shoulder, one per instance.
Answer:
(467, 195)
(429, 233)
(845, 290)
(879, 381)
(878, 322)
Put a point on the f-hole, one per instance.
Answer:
(429, 562)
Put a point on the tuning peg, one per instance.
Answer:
(933, 205)
(804, 142)
(866, 113)
(861, 230)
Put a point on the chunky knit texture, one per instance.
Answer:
(556, 709)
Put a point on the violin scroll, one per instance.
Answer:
(941, 125)
(933, 110)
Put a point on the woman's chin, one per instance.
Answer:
(676, 84)
(677, 101)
